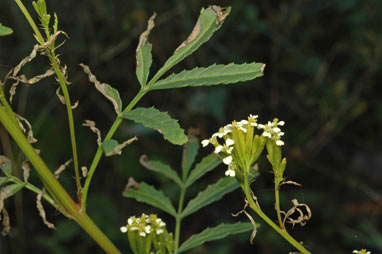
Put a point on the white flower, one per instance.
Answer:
(227, 160)
(281, 123)
(230, 172)
(205, 142)
(162, 224)
(243, 122)
(123, 229)
(267, 134)
(133, 228)
(130, 221)
(276, 129)
(218, 149)
(143, 234)
(229, 142)
(159, 231)
(148, 229)
(363, 251)
(279, 142)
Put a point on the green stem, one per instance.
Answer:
(277, 205)
(61, 80)
(54, 187)
(263, 216)
(178, 217)
(99, 152)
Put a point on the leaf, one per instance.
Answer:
(143, 54)
(212, 234)
(161, 121)
(212, 75)
(109, 92)
(207, 164)
(8, 191)
(190, 150)
(162, 168)
(211, 194)
(112, 147)
(4, 30)
(5, 165)
(209, 21)
(149, 195)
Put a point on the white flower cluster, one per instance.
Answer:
(145, 225)
(246, 127)
(272, 131)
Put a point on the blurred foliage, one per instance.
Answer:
(323, 62)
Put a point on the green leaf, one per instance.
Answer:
(212, 234)
(211, 194)
(162, 168)
(149, 195)
(12, 189)
(3, 180)
(5, 165)
(4, 30)
(212, 75)
(207, 164)
(209, 21)
(109, 92)
(143, 54)
(190, 150)
(161, 121)
(112, 147)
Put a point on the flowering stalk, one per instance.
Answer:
(240, 147)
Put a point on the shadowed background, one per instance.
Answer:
(323, 65)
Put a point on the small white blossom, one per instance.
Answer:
(148, 229)
(230, 172)
(123, 229)
(130, 221)
(133, 228)
(162, 224)
(281, 123)
(267, 134)
(243, 122)
(363, 251)
(218, 149)
(143, 234)
(205, 142)
(229, 142)
(279, 142)
(276, 129)
(159, 231)
(227, 160)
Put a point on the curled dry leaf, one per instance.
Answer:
(110, 93)
(26, 170)
(144, 36)
(6, 223)
(62, 99)
(84, 171)
(289, 182)
(93, 128)
(30, 137)
(117, 150)
(62, 168)
(254, 231)
(302, 218)
(193, 35)
(222, 13)
(41, 211)
(131, 184)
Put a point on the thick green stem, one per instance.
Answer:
(58, 193)
(178, 217)
(99, 152)
(263, 216)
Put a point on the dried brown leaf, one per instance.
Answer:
(193, 35)
(41, 211)
(30, 137)
(62, 168)
(222, 13)
(144, 36)
(26, 170)
(93, 128)
(84, 171)
(131, 184)
(302, 218)
(6, 223)
(118, 149)
(254, 231)
(62, 99)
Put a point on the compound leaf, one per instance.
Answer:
(212, 234)
(161, 121)
(213, 75)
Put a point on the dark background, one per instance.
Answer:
(322, 78)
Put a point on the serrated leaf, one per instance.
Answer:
(148, 194)
(190, 150)
(4, 30)
(207, 164)
(161, 121)
(212, 234)
(209, 21)
(162, 168)
(211, 194)
(212, 75)
(109, 92)
(5, 165)
(143, 53)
